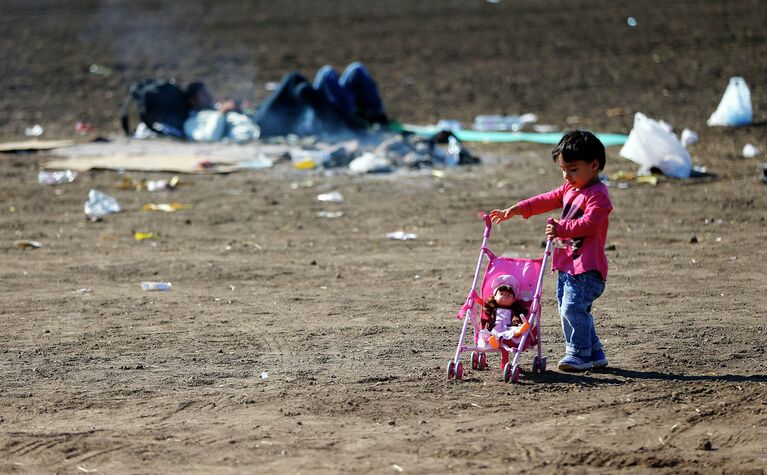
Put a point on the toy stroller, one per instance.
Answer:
(528, 273)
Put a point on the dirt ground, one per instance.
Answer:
(355, 330)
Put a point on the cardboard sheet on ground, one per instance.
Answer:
(31, 145)
(166, 156)
(552, 138)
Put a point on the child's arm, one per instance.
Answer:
(530, 207)
(597, 209)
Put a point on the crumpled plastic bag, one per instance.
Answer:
(735, 107)
(369, 163)
(100, 204)
(650, 144)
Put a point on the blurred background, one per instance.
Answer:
(586, 63)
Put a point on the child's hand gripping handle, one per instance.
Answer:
(551, 221)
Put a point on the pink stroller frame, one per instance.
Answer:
(529, 273)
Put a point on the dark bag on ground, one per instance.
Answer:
(161, 106)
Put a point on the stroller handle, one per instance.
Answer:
(488, 224)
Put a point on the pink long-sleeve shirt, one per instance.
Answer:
(582, 229)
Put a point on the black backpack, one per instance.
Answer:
(161, 106)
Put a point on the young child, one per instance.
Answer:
(580, 235)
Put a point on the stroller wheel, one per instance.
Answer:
(536, 365)
(507, 373)
(515, 374)
(459, 371)
(543, 364)
(474, 360)
(450, 370)
(482, 361)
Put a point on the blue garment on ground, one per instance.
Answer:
(332, 105)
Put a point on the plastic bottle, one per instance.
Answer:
(158, 286)
(500, 123)
(453, 157)
(56, 178)
(497, 123)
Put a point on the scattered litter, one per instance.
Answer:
(453, 158)
(631, 21)
(652, 145)
(27, 244)
(332, 197)
(84, 290)
(688, 138)
(158, 286)
(395, 466)
(86, 470)
(545, 128)
(330, 214)
(304, 184)
(34, 131)
(100, 70)
(308, 159)
(734, 110)
(166, 207)
(500, 123)
(83, 128)
(128, 183)
(401, 236)
(750, 151)
(141, 236)
(621, 179)
(264, 375)
(271, 86)
(100, 204)
(56, 178)
(370, 163)
(257, 163)
(503, 183)
(158, 185)
(449, 124)
(438, 174)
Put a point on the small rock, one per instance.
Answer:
(694, 240)
(313, 263)
(391, 423)
(610, 247)
(705, 445)
(139, 366)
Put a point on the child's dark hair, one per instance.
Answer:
(580, 145)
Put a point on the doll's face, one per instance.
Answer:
(504, 296)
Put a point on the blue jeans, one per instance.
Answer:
(575, 295)
(353, 95)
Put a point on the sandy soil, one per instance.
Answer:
(354, 330)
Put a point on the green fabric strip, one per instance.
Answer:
(552, 138)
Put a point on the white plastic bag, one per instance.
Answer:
(735, 108)
(99, 204)
(650, 144)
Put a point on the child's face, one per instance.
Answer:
(504, 297)
(579, 173)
